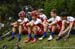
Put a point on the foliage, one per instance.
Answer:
(12, 7)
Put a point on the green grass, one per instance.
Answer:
(44, 44)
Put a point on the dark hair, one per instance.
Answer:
(63, 14)
(54, 10)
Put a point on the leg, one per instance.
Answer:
(29, 35)
(15, 25)
(20, 31)
(35, 29)
(61, 33)
(53, 28)
(13, 32)
(45, 30)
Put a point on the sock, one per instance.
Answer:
(19, 36)
(52, 33)
(13, 34)
(29, 35)
(35, 35)
(44, 34)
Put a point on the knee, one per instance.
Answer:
(29, 30)
(20, 26)
(15, 25)
(14, 29)
(34, 29)
(53, 28)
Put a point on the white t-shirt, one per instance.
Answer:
(37, 21)
(22, 21)
(54, 19)
(70, 19)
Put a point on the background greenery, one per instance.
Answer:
(12, 7)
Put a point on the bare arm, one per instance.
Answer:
(69, 27)
(53, 23)
(63, 26)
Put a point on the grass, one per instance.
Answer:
(44, 44)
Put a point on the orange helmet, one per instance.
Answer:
(21, 14)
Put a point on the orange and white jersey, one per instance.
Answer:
(42, 17)
(70, 19)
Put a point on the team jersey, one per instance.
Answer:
(42, 17)
(23, 21)
(54, 19)
(57, 20)
(70, 19)
(36, 22)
